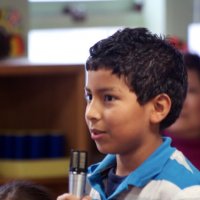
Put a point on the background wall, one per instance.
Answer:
(97, 13)
(179, 14)
(161, 16)
(169, 17)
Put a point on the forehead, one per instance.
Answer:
(100, 73)
(104, 78)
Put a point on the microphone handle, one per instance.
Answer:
(77, 182)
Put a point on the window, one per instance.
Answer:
(64, 45)
(55, 36)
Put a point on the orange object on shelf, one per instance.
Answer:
(16, 45)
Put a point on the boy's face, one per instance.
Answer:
(117, 122)
(187, 125)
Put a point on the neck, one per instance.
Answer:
(126, 163)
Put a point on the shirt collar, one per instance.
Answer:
(145, 172)
(152, 166)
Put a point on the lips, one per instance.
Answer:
(96, 131)
(97, 134)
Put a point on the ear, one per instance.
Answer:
(161, 107)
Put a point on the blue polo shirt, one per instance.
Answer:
(165, 174)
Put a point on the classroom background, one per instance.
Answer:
(42, 75)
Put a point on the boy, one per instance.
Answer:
(135, 87)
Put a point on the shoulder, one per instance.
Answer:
(190, 193)
(167, 190)
(180, 171)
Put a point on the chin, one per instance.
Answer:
(105, 150)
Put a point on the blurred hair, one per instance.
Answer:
(4, 43)
(192, 62)
(24, 190)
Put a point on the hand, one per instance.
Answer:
(68, 196)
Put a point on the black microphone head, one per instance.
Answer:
(78, 161)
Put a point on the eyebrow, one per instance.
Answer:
(102, 90)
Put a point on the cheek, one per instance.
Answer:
(194, 105)
(123, 120)
(86, 117)
(195, 110)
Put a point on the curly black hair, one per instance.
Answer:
(150, 64)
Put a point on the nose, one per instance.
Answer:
(92, 112)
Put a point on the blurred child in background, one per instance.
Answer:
(24, 190)
(185, 132)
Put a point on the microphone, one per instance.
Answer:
(78, 173)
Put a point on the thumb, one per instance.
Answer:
(86, 198)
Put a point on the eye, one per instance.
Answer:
(88, 97)
(193, 90)
(109, 98)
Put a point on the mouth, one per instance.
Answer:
(97, 134)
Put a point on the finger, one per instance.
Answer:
(65, 196)
(86, 198)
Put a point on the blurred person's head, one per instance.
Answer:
(4, 43)
(188, 123)
(24, 190)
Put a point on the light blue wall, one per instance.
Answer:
(155, 15)
(179, 14)
(170, 17)
(161, 16)
(111, 13)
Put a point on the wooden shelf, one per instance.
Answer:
(22, 67)
(38, 96)
(44, 97)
